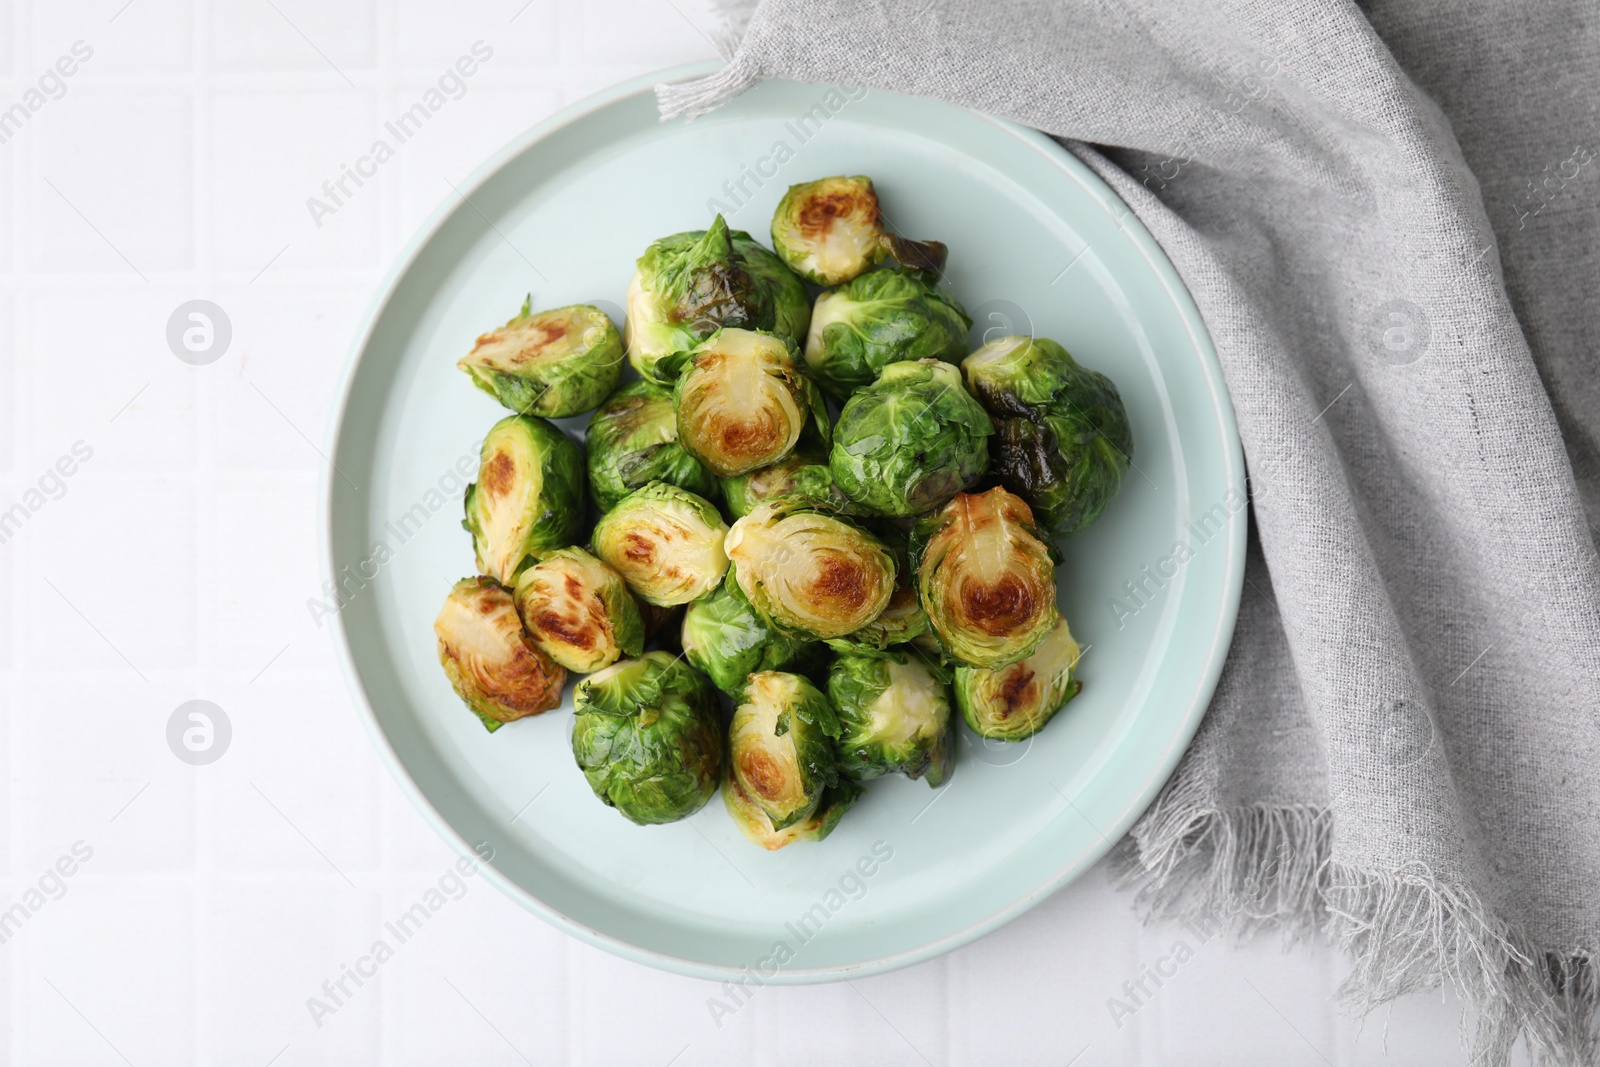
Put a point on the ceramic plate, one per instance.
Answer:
(1037, 243)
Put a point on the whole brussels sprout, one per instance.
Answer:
(985, 578)
(633, 441)
(555, 363)
(895, 713)
(831, 230)
(743, 401)
(1063, 441)
(665, 542)
(757, 828)
(883, 317)
(692, 284)
(780, 744)
(491, 664)
(910, 441)
(528, 496)
(646, 735)
(579, 610)
(743, 493)
(1015, 702)
(724, 638)
(809, 574)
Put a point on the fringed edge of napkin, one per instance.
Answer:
(1259, 868)
(690, 100)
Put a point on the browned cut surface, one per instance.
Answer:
(818, 213)
(499, 475)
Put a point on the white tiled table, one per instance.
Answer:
(175, 563)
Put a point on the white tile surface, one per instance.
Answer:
(220, 898)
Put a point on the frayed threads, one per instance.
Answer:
(690, 100)
(1261, 868)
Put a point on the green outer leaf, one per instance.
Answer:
(691, 284)
(883, 317)
(910, 441)
(725, 638)
(1064, 442)
(557, 387)
(856, 685)
(633, 441)
(647, 737)
(546, 512)
(791, 308)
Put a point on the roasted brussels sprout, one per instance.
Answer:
(1016, 701)
(894, 710)
(553, 363)
(1062, 437)
(633, 441)
(646, 735)
(692, 284)
(579, 610)
(831, 230)
(809, 574)
(491, 664)
(528, 496)
(884, 317)
(724, 638)
(757, 827)
(780, 744)
(743, 401)
(743, 493)
(985, 578)
(665, 542)
(911, 440)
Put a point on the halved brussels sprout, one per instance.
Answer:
(554, 363)
(743, 493)
(810, 574)
(1062, 436)
(757, 828)
(691, 284)
(646, 735)
(528, 496)
(831, 230)
(985, 578)
(724, 638)
(1016, 701)
(895, 713)
(884, 317)
(491, 664)
(743, 401)
(579, 610)
(781, 746)
(665, 542)
(910, 441)
(633, 441)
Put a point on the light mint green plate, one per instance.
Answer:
(1035, 240)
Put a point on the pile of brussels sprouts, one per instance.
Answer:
(825, 510)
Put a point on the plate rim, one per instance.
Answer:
(1075, 866)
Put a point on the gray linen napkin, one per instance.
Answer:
(1388, 218)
